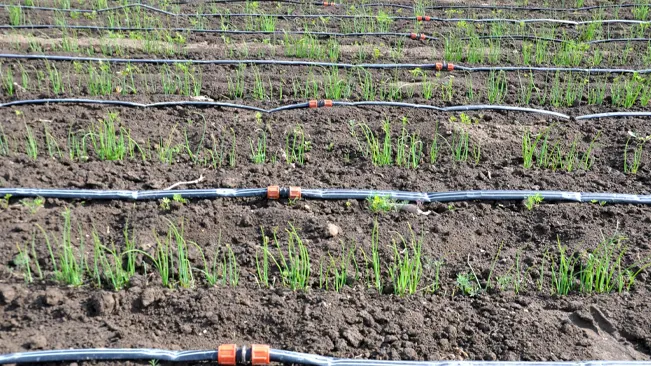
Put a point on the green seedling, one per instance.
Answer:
(33, 204)
(110, 264)
(227, 273)
(533, 201)
(4, 202)
(259, 150)
(165, 204)
(178, 198)
(632, 166)
(31, 146)
(339, 267)
(294, 267)
(262, 264)
(69, 262)
(167, 263)
(406, 269)
(382, 204)
(296, 146)
(467, 286)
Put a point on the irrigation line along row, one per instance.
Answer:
(336, 16)
(419, 36)
(233, 355)
(329, 194)
(435, 66)
(438, 7)
(310, 104)
(243, 32)
(323, 103)
(389, 5)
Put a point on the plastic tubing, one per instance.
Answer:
(320, 64)
(290, 357)
(310, 33)
(323, 103)
(95, 194)
(275, 355)
(489, 7)
(313, 16)
(330, 194)
(480, 107)
(106, 354)
(220, 31)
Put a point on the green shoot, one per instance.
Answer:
(259, 151)
(68, 263)
(294, 267)
(406, 270)
(533, 201)
(377, 203)
(33, 204)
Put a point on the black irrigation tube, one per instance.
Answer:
(484, 7)
(324, 103)
(439, 7)
(310, 33)
(242, 356)
(329, 194)
(311, 104)
(217, 31)
(318, 16)
(434, 66)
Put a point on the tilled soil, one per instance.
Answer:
(491, 241)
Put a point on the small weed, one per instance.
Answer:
(377, 203)
(467, 286)
(33, 204)
(4, 202)
(533, 201)
(179, 199)
(165, 204)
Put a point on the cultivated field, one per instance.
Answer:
(157, 95)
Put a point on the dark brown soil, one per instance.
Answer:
(487, 239)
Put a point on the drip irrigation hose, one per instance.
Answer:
(290, 357)
(261, 355)
(435, 66)
(484, 7)
(276, 192)
(388, 5)
(311, 104)
(614, 114)
(104, 354)
(319, 16)
(419, 36)
(325, 103)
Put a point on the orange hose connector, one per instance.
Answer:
(273, 192)
(319, 103)
(226, 355)
(421, 18)
(294, 193)
(420, 36)
(447, 66)
(259, 354)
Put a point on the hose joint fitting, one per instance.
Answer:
(231, 355)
